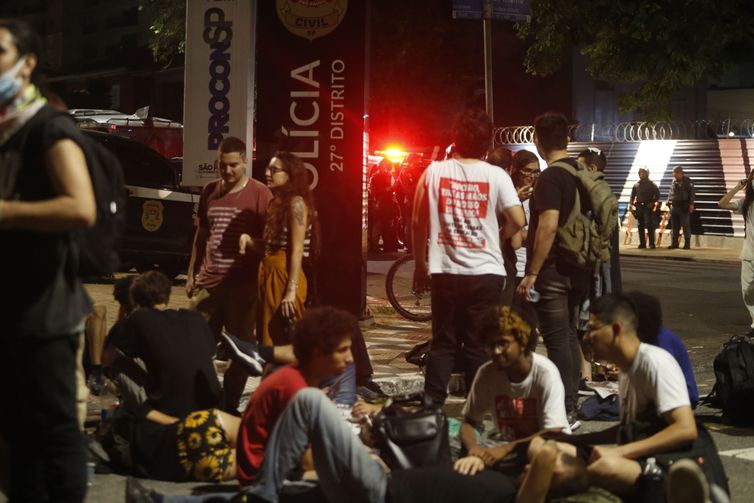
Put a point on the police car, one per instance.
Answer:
(159, 229)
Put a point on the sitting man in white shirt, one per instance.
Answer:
(656, 420)
(522, 390)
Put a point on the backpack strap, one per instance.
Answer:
(577, 200)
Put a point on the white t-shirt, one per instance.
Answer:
(747, 251)
(652, 386)
(464, 203)
(519, 409)
(521, 252)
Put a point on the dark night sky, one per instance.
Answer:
(427, 66)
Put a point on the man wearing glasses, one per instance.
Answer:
(657, 425)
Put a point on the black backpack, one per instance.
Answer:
(96, 247)
(734, 385)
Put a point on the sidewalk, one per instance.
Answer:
(392, 336)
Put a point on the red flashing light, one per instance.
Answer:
(393, 154)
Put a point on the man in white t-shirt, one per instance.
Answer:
(656, 419)
(522, 390)
(457, 208)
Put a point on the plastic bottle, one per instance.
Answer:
(653, 489)
(533, 295)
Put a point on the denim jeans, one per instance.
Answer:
(346, 470)
(458, 301)
(557, 311)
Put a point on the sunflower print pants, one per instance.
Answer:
(203, 448)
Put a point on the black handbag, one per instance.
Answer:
(411, 436)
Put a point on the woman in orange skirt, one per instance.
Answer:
(290, 234)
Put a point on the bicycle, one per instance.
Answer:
(412, 305)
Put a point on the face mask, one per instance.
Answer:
(11, 82)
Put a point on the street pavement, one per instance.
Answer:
(700, 293)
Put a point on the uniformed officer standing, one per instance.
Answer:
(645, 197)
(681, 202)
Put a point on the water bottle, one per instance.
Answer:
(652, 487)
(533, 295)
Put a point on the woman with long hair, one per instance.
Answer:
(745, 208)
(291, 233)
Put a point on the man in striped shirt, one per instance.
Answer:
(221, 282)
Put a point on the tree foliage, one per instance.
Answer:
(168, 29)
(648, 49)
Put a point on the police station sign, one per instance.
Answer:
(219, 79)
(311, 101)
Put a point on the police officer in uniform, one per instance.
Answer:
(681, 202)
(645, 197)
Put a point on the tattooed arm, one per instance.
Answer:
(299, 220)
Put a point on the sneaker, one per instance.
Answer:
(243, 352)
(672, 247)
(652, 247)
(686, 483)
(573, 421)
(584, 389)
(642, 246)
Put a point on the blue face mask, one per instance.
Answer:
(11, 82)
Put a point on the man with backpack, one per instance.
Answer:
(561, 284)
(45, 195)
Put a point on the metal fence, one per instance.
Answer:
(638, 131)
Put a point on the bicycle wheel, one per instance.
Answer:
(400, 292)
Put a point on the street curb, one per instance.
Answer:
(681, 258)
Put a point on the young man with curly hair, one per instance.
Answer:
(521, 389)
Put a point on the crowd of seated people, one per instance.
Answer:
(293, 436)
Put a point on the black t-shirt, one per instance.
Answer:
(177, 348)
(440, 485)
(555, 190)
(46, 296)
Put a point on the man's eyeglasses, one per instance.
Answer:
(591, 328)
(499, 343)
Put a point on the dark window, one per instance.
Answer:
(141, 166)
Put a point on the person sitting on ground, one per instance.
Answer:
(652, 331)
(346, 469)
(176, 347)
(656, 420)
(521, 389)
(322, 346)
